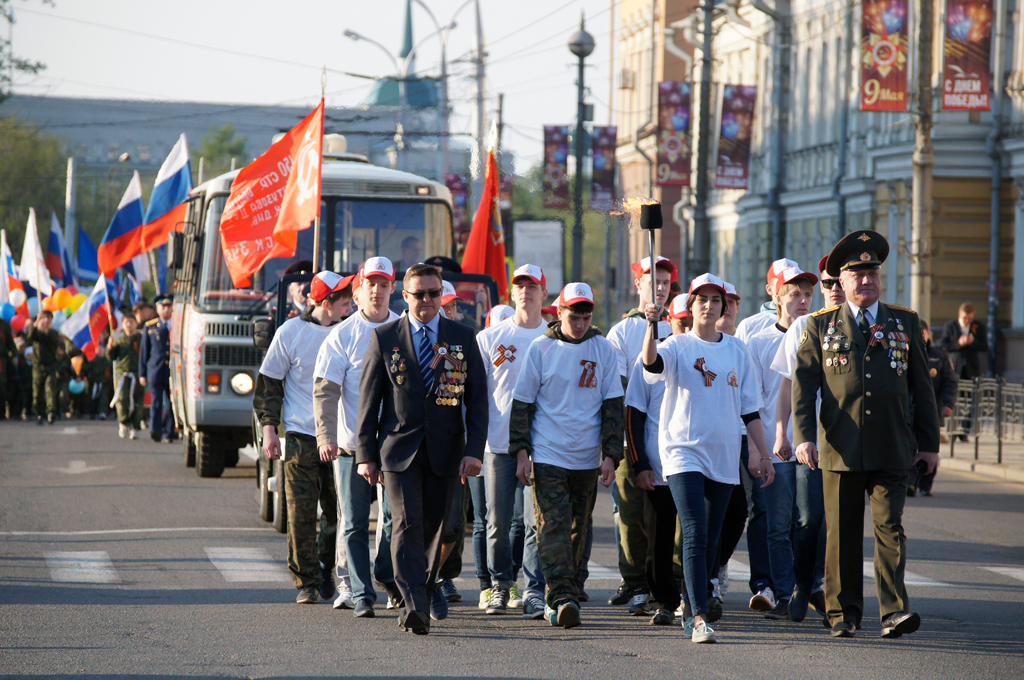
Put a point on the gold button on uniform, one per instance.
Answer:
(868, 375)
(867, 394)
(867, 358)
(868, 412)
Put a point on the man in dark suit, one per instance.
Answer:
(154, 371)
(869, 361)
(965, 341)
(418, 373)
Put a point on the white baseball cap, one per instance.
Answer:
(378, 266)
(448, 293)
(678, 310)
(778, 266)
(325, 283)
(576, 292)
(643, 266)
(498, 314)
(730, 291)
(708, 280)
(532, 272)
(791, 274)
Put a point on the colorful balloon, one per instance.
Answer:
(77, 386)
(77, 301)
(61, 299)
(7, 311)
(17, 297)
(33, 307)
(18, 323)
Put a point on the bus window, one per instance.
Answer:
(404, 232)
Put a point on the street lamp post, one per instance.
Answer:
(123, 158)
(582, 45)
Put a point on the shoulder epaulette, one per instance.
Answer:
(827, 310)
(901, 308)
(152, 321)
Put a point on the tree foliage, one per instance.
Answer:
(220, 146)
(32, 175)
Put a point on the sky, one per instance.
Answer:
(263, 52)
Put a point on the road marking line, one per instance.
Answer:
(77, 467)
(98, 532)
(740, 572)
(1012, 572)
(81, 567)
(239, 565)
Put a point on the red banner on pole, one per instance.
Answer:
(485, 251)
(458, 184)
(556, 165)
(674, 144)
(602, 178)
(883, 53)
(967, 51)
(272, 199)
(732, 171)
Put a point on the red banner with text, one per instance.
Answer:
(883, 56)
(732, 170)
(967, 52)
(674, 144)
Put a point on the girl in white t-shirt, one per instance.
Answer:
(710, 387)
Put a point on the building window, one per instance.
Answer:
(145, 155)
(113, 151)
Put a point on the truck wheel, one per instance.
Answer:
(231, 458)
(264, 498)
(209, 455)
(280, 500)
(190, 449)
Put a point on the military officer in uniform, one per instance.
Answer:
(869, 361)
(155, 372)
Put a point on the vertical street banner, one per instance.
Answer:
(674, 144)
(883, 56)
(602, 182)
(458, 184)
(732, 169)
(967, 51)
(556, 159)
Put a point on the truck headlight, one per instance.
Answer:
(241, 383)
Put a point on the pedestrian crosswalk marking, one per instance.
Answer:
(241, 565)
(598, 571)
(1012, 572)
(81, 567)
(740, 573)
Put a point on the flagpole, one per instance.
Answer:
(316, 222)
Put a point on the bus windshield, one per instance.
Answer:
(404, 231)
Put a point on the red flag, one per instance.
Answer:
(485, 251)
(272, 199)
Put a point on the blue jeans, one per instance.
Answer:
(809, 544)
(503, 513)
(480, 502)
(161, 419)
(535, 582)
(701, 503)
(356, 498)
(781, 498)
(757, 526)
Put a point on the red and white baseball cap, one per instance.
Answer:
(730, 291)
(326, 283)
(498, 314)
(794, 274)
(448, 293)
(708, 280)
(378, 266)
(551, 310)
(644, 266)
(576, 292)
(778, 266)
(532, 272)
(678, 310)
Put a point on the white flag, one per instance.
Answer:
(33, 260)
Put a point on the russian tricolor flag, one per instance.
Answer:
(88, 264)
(123, 239)
(85, 326)
(166, 212)
(9, 280)
(58, 262)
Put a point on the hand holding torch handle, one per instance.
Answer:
(650, 219)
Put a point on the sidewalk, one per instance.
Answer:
(987, 462)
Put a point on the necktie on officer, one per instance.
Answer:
(425, 354)
(862, 323)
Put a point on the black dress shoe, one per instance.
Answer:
(364, 609)
(417, 623)
(798, 606)
(817, 602)
(156, 437)
(780, 612)
(900, 623)
(843, 629)
(622, 596)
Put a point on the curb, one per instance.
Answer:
(987, 469)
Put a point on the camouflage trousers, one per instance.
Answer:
(308, 481)
(44, 389)
(563, 501)
(129, 402)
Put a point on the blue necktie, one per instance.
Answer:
(426, 355)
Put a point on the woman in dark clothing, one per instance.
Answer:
(944, 381)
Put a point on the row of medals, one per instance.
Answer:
(899, 346)
(452, 382)
(834, 340)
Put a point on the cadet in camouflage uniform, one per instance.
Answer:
(101, 384)
(566, 428)
(45, 342)
(123, 351)
(869, 361)
(8, 350)
(22, 402)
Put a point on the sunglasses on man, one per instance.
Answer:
(421, 294)
(828, 283)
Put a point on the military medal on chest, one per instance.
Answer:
(452, 382)
(899, 349)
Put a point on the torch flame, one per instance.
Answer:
(631, 207)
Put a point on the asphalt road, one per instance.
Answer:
(116, 560)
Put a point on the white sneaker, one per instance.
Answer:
(122, 430)
(344, 599)
(133, 434)
(702, 632)
(515, 597)
(764, 601)
(723, 580)
(716, 589)
(681, 607)
(485, 597)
